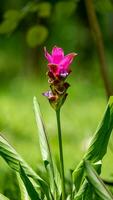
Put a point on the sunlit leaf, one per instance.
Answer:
(36, 35)
(44, 144)
(2, 197)
(57, 182)
(85, 193)
(44, 9)
(97, 182)
(23, 191)
(8, 153)
(29, 186)
(99, 143)
(86, 190)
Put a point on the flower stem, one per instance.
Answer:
(61, 153)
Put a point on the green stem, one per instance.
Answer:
(61, 153)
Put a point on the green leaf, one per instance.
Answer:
(86, 190)
(85, 193)
(13, 159)
(99, 143)
(13, 15)
(10, 22)
(23, 191)
(8, 26)
(57, 182)
(96, 182)
(2, 197)
(103, 6)
(78, 175)
(44, 9)
(29, 186)
(64, 9)
(30, 7)
(36, 35)
(98, 146)
(44, 144)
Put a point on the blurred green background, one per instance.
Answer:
(25, 28)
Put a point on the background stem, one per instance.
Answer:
(97, 35)
(61, 153)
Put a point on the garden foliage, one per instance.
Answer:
(86, 182)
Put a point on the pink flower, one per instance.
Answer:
(59, 64)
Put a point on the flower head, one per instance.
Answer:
(58, 70)
(59, 64)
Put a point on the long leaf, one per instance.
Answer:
(98, 146)
(29, 186)
(85, 192)
(96, 182)
(44, 144)
(23, 191)
(2, 197)
(13, 159)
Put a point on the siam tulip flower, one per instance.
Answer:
(59, 64)
(58, 70)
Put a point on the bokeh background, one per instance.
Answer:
(25, 28)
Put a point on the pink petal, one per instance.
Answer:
(67, 60)
(48, 56)
(57, 54)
